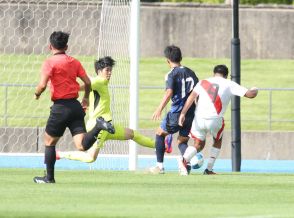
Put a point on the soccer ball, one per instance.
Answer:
(197, 161)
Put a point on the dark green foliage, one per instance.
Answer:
(242, 2)
(256, 2)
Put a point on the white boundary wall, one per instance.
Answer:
(200, 30)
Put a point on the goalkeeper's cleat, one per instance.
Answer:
(168, 143)
(156, 170)
(184, 167)
(43, 179)
(101, 124)
(208, 172)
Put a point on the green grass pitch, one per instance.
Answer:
(136, 194)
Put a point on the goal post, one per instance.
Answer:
(97, 28)
(134, 78)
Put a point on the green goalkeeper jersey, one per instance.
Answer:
(99, 99)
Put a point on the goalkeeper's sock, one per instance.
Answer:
(143, 140)
(138, 137)
(160, 148)
(77, 155)
(214, 152)
(182, 147)
(118, 135)
(50, 159)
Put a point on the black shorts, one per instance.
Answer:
(66, 113)
(170, 122)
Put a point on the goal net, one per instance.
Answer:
(97, 28)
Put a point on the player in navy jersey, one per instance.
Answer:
(180, 81)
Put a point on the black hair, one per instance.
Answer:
(59, 39)
(173, 53)
(104, 62)
(221, 69)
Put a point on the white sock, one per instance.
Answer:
(160, 165)
(77, 155)
(189, 153)
(214, 152)
(62, 154)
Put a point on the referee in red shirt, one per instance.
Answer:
(61, 72)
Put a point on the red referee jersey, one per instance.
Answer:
(63, 71)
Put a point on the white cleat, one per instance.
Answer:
(156, 170)
(182, 168)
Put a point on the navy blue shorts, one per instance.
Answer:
(66, 113)
(170, 122)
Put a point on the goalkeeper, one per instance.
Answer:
(100, 107)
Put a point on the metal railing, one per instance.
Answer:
(270, 120)
(271, 90)
(5, 102)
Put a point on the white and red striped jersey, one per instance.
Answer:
(215, 95)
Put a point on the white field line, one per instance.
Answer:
(100, 155)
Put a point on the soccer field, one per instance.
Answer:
(128, 194)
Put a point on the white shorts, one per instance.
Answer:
(201, 127)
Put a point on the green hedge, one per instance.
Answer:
(247, 2)
(255, 2)
(199, 1)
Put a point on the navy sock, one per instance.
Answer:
(182, 147)
(90, 138)
(160, 148)
(50, 159)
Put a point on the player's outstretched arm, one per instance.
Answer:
(157, 114)
(251, 93)
(41, 87)
(87, 89)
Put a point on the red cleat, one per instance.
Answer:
(168, 143)
(57, 155)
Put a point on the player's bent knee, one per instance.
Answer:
(50, 140)
(129, 133)
(161, 132)
(182, 139)
(80, 147)
(201, 146)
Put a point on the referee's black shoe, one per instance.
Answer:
(43, 179)
(104, 125)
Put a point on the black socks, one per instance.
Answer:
(50, 159)
(90, 138)
(160, 148)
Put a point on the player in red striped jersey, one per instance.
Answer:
(214, 95)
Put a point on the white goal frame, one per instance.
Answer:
(39, 18)
(134, 79)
